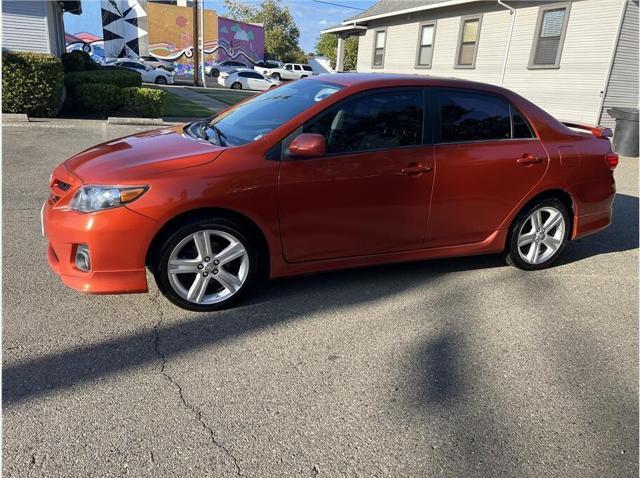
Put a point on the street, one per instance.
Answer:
(458, 367)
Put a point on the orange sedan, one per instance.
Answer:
(329, 172)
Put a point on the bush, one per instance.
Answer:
(99, 98)
(72, 62)
(120, 77)
(146, 102)
(32, 83)
(78, 60)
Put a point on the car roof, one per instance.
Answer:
(372, 80)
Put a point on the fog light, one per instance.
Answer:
(82, 258)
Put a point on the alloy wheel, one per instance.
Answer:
(208, 267)
(541, 235)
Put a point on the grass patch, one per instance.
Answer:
(226, 96)
(177, 106)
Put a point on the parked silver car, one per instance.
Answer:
(226, 65)
(154, 62)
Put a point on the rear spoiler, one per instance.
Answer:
(597, 131)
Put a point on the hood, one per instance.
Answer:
(141, 156)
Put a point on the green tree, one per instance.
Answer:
(327, 45)
(281, 34)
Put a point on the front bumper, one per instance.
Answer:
(117, 238)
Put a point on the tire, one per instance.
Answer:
(545, 225)
(241, 272)
(161, 80)
(303, 76)
(276, 76)
(214, 73)
(236, 86)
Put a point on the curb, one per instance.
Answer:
(15, 117)
(132, 121)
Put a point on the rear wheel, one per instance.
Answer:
(236, 86)
(207, 265)
(538, 235)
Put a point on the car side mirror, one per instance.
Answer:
(308, 145)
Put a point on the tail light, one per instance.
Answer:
(612, 160)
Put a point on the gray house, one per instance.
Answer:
(574, 58)
(35, 25)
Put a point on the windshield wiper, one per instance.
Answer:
(219, 134)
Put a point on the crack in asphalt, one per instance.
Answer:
(192, 408)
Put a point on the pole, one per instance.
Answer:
(196, 46)
(201, 52)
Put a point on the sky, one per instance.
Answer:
(311, 16)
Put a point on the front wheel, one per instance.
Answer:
(236, 86)
(207, 265)
(214, 73)
(161, 80)
(538, 235)
(276, 76)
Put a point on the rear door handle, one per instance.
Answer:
(529, 159)
(415, 169)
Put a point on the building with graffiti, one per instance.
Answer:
(132, 28)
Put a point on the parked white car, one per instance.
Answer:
(246, 79)
(149, 75)
(292, 71)
(223, 66)
(153, 62)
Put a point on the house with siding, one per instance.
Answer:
(576, 59)
(36, 25)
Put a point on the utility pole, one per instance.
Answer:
(196, 45)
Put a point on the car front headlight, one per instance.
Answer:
(97, 198)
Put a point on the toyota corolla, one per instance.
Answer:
(326, 173)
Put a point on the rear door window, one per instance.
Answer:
(371, 121)
(470, 116)
(466, 115)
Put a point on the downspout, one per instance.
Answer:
(512, 12)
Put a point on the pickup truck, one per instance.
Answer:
(290, 71)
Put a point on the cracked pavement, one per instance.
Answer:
(460, 367)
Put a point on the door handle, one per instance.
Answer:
(529, 159)
(415, 169)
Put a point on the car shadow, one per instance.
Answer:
(621, 235)
(278, 302)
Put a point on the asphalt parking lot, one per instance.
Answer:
(462, 367)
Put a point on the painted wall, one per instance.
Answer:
(238, 40)
(171, 34)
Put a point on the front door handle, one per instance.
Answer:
(415, 169)
(529, 159)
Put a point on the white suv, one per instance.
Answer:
(292, 71)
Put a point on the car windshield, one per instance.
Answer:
(258, 116)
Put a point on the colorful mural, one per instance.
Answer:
(171, 34)
(124, 27)
(135, 28)
(238, 39)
